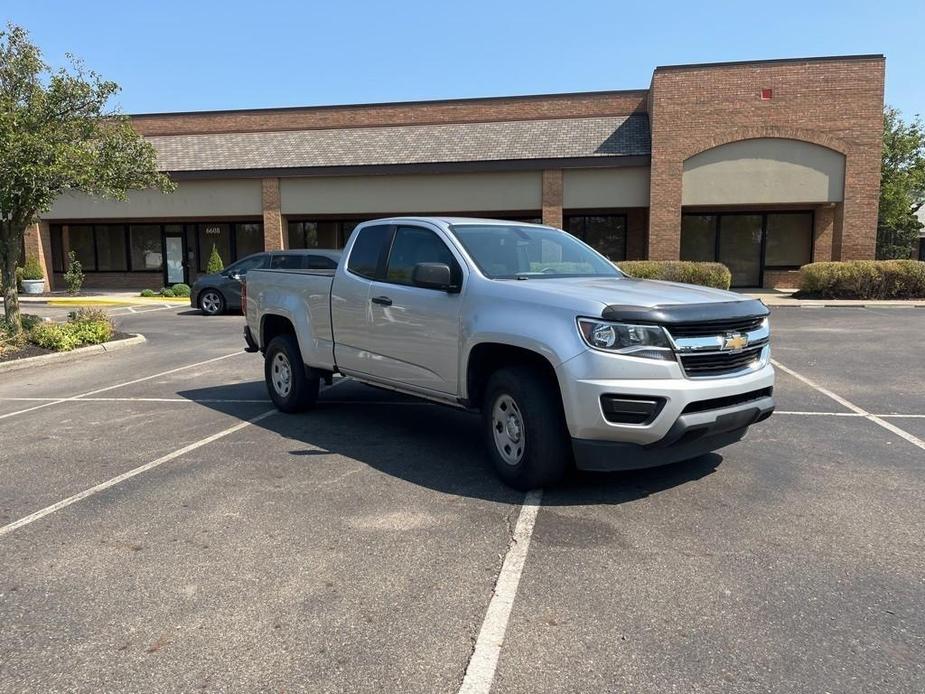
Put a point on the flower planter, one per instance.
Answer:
(33, 286)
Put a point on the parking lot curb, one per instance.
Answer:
(73, 355)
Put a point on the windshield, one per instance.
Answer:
(521, 252)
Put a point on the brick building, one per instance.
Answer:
(763, 165)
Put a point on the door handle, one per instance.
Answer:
(382, 300)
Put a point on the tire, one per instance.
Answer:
(524, 428)
(289, 385)
(211, 302)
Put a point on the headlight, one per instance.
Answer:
(648, 341)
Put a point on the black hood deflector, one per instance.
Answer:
(686, 313)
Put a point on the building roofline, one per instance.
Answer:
(773, 61)
(380, 104)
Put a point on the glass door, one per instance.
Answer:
(174, 258)
(739, 248)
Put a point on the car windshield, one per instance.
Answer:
(522, 252)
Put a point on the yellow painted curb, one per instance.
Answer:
(137, 301)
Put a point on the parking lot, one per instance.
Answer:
(162, 528)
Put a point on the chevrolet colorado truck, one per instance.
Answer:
(568, 360)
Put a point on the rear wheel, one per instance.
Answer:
(211, 302)
(289, 385)
(525, 428)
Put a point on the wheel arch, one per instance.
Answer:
(487, 357)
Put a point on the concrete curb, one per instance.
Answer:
(73, 355)
(62, 302)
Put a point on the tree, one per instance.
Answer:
(902, 185)
(215, 263)
(58, 134)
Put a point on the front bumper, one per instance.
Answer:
(692, 434)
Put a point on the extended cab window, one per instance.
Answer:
(413, 245)
(367, 249)
(320, 262)
(287, 261)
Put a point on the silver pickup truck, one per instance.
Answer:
(567, 359)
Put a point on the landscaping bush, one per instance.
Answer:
(705, 274)
(32, 269)
(86, 326)
(181, 289)
(74, 277)
(215, 262)
(863, 279)
(167, 291)
(148, 292)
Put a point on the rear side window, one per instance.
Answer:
(286, 261)
(367, 250)
(319, 262)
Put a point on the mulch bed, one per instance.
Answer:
(31, 350)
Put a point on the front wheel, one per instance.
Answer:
(290, 387)
(525, 428)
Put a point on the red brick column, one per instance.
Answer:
(38, 243)
(552, 197)
(274, 224)
(823, 233)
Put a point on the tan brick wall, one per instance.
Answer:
(274, 224)
(833, 103)
(552, 197)
(823, 233)
(421, 113)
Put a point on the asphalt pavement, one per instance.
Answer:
(162, 528)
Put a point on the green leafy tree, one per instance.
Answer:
(215, 263)
(58, 134)
(902, 185)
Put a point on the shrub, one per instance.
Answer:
(19, 279)
(864, 279)
(215, 262)
(56, 336)
(167, 291)
(148, 292)
(74, 277)
(32, 269)
(714, 275)
(181, 289)
(91, 332)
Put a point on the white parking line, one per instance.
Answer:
(914, 440)
(64, 503)
(120, 385)
(480, 673)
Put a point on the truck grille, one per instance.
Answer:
(719, 327)
(720, 363)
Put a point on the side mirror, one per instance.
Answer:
(433, 276)
(236, 276)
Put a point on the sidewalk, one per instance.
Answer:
(98, 297)
(784, 297)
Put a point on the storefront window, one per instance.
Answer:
(789, 240)
(303, 235)
(145, 244)
(80, 240)
(57, 250)
(214, 235)
(605, 233)
(698, 237)
(110, 248)
(248, 239)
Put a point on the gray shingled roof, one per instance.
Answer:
(407, 144)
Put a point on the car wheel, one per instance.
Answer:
(211, 302)
(289, 385)
(525, 428)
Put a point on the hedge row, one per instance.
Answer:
(864, 279)
(705, 274)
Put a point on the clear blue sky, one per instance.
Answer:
(198, 54)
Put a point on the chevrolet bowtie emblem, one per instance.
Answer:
(735, 341)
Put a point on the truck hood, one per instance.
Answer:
(624, 291)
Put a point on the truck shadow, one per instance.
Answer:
(429, 445)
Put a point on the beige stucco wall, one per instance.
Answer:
(190, 199)
(626, 187)
(411, 193)
(762, 171)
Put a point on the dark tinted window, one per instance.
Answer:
(319, 262)
(364, 258)
(605, 233)
(790, 239)
(110, 248)
(698, 237)
(415, 245)
(252, 263)
(80, 239)
(286, 261)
